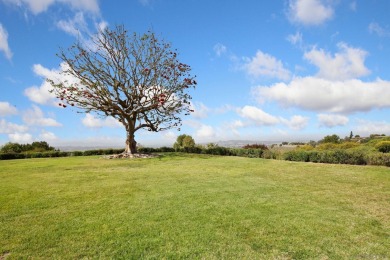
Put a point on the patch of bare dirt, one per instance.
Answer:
(4, 255)
(129, 156)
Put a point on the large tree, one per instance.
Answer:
(135, 78)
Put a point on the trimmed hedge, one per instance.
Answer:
(11, 156)
(339, 156)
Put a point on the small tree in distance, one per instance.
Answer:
(137, 79)
(184, 142)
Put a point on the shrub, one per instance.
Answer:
(383, 146)
(315, 157)
(255, 146)
(77, 153)
(297, 156)
(378, 159)
(93, 152)
(217, 150)
(270, 154)
(326, 146)
(348, 145)
(11, 156)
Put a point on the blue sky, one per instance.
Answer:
(283, 70)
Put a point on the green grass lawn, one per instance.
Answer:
(192, 206)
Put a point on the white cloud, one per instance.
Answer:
(39, 6)
(219, 49)
(365, 127)
(93, 122)
(4, 47)
(266, 65)
(47, 136)
(41, 94)
(200, 110)
(205, 132)
(257, 116)
(346, 64)
(6, 109)
(74, 26)
(83, 5)
(295, 39)
(169, 136)
(377, 29)
(296, 122)
(316, 94)
(10, 128)
(353, 6)
(20, 138)
(36, 117)
(332, 120)
(309, 12)
(237, 124)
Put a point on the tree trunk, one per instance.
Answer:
(131, 144)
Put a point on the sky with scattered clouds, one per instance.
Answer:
(288, 70)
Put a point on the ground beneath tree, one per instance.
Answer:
(129, 156)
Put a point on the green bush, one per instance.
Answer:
(382, 159)
(251, 153)
(93, 152)
(77, 153)
(383, 146)
(270, 154)
(297, 156)
(217, 151)
(11, 156)
(338, 156)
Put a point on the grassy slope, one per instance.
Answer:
(192, 207)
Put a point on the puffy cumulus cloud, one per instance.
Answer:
(296, 122)
(346, 64)
(93, 122)
(11, 128)
(20, 138)
(258, 116)
(41, 94)
(265, 65)
(39, 6)
(332, 120)
(35, 116)
(309, 12)
(6, 109)
(219, 49)
(323, 95)
(4, 47)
